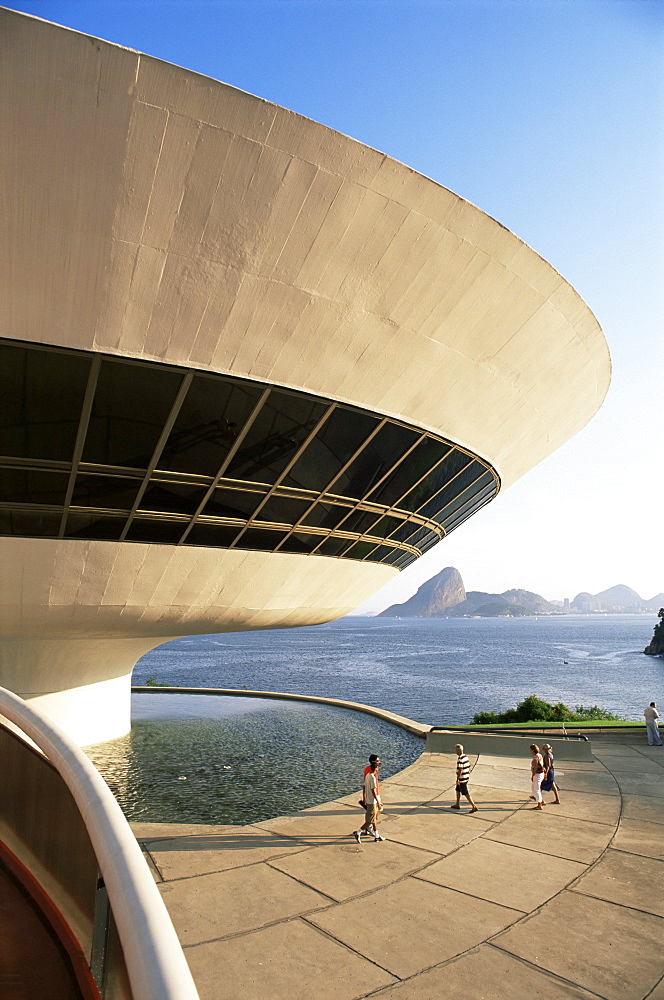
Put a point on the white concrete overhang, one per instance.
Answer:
(155, 213)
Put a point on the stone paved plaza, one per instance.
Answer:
(508, 902)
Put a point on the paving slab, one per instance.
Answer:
(440, 759)
(412, 925)
(642, 807)
(640, 764)
(440, 831)
(638, 836)
(325, 824)
(658, 992)
(600, 782)
(494, 804)
(640, 784)
(187, 856)
(580, 805)
(511, 876)
(626, 879)
(289, 961)
(165, 831)
(548, 831)
(484, 974)
(518, 781)
(344, 872)
(397, 797)
(208, 907)
(519, 763)
(427, 776)
(613, 951)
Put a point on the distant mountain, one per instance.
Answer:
(512, 602)
(433, 599)
(444, 596)
(615, 599)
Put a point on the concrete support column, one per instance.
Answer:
(84, 685)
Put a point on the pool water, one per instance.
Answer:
(225, 760)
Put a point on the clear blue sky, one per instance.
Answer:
(548, 115)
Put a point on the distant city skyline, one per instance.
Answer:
(549, 117)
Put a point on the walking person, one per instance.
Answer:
(536, 775)
(373, 804)
(549, 782)
(462, 776)
(372, 758)
(652, 715)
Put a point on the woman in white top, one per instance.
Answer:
(536, 775)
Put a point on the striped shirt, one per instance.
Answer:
(463, 768)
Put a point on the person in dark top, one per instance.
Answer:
(549, 783)
(462, 775)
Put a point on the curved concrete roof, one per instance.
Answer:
(155, 213)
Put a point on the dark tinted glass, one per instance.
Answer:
(393, 557)
(29, 522)
(214, 535)
(359, 550)
(379, 554)
(299, 541)
(210, 419)
(93, 526)
(428, 542)
(467, 484)
(232, 503)
(406, 560)
(332, 546)
(414, 467)
(131, 405)
(448, 493)
(105, 491)
(260, 538)
(360, 521)
(166, 532)
(27, 486)
(281, 426)
(325, 515)
(466, 505)
(338, 439)
(404, 531)
(417, 536)
(386, 526)
(282, 510)
(437, 478)
(176, 498)
(41, 394)
(380, 454)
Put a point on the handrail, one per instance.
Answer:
(156, 965)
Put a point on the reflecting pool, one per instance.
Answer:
(226, 760)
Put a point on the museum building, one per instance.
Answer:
(251, 369)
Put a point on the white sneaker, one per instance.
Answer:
(356, 834)
(378, 837)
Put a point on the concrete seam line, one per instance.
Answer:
(155, 961)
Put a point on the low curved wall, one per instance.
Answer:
(417, 728)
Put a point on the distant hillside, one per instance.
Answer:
(433, 599)
(444, 596)
(615, 599)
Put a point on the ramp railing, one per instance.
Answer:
(58, 816)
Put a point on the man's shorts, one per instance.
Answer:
(371, 815)
(462, 788)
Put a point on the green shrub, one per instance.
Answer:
(534, 709)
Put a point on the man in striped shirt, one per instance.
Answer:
(462, 775)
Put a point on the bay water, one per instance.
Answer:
(433, 670)
(229, 760)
